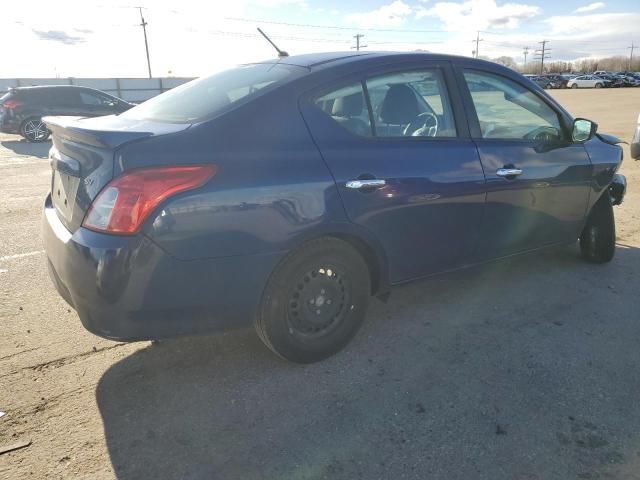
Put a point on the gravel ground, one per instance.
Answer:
(522, 369)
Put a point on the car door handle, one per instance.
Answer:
(509, 172)
(366, 183)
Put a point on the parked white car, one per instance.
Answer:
(586, 81)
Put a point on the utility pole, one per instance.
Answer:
(144, 24)
(358, 46)
(631, 55)
(525, 52)
(477, 41)
(542, 54)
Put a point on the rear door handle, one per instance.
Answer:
(508, 172)
(366, 183)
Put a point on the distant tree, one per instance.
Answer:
(507, 62)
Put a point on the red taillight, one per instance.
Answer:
(125, 203)
(11, 104)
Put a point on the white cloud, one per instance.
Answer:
(393, 14)
(590, 8)
(595, 25)
(479, 14)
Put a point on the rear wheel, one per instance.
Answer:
(34, 130)
(598, 239)
(315, 301)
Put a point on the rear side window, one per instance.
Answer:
(411, 104)
(38, 96)
(208, 96)
(403, 104)
(90, 99)
(348, 108)
(64, 97)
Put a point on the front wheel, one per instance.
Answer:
(598, 239)
(34, 130)
(575, 85)
(598, 85)
(315, 301)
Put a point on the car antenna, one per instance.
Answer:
(281, 53)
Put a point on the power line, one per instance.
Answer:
(525, 52)
(631, 55)
(336, 27)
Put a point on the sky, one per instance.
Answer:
(102, 38)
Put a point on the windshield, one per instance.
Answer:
(202, 98)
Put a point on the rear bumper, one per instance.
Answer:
(128, 288)
(8, 125)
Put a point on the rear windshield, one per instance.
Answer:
(208, 96)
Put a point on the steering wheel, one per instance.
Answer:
(424, 125)
(543, 134)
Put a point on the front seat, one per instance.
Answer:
(346, 111)
(399, 107)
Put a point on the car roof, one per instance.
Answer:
(44, 87)
(317, 61)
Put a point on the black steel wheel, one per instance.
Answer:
(34, 130)
(315, 301)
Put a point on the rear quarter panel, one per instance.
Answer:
(271, 191)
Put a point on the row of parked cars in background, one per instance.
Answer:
(599, 79)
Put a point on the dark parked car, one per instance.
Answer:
(286, 193)
(558, 81)
(542, 82)
(22, 108)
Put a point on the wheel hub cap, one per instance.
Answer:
(318, 302)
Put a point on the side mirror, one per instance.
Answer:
(583, 130)
(635, 143)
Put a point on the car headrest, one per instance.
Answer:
(400, 105)
(349, 106)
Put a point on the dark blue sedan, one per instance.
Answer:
(287, 193)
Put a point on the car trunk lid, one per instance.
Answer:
(82, 158)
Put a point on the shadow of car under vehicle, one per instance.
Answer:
(428, 389)
(32, 149)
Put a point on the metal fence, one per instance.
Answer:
(130, 89)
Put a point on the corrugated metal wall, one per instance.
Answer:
(130, 89)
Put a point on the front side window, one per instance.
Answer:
(347, 107)
(507, 110)
(90, 99)
(411, 104)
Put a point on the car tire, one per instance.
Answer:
(33, 129)
(315, 301)
(575, 85)
(598, 85)
(598, 239)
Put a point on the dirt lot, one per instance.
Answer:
(524, 369)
